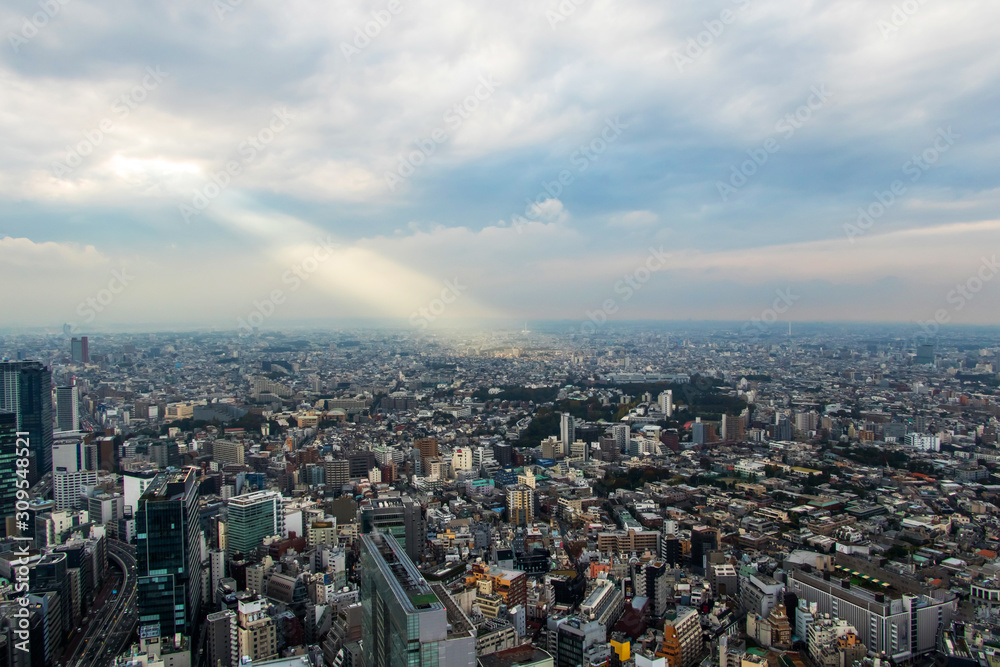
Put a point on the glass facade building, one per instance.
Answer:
(405, 621)
(26, 390)
(168, 553)
(252, 517)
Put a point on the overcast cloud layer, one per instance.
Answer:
(215, 154)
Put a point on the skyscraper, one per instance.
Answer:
(405, 620)
(80, 350)
(252, 517)
(26, 390)
(567, 432)
(168, 553)
(67, 408)
(620, 432)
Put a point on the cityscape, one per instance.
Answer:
(526, 333)
(657, 496)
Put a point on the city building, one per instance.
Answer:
(406, 621)
(74, 466)
(250, 518)
(399, 516)
(67, 408)
(26, 390)
(168, 554)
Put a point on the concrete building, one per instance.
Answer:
(401, 517)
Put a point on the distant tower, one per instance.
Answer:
(80, 349)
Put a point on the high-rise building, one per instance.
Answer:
(620, 432)
(74, 466)
(520, 504)
(80, 350)
(26, 390)
(703, 541)
(67, 408)
(221, 644)
(168, 554)
(567, 432)
(698, 435)
(8, 467)
(405, 620)
(400, 516)
(252, 517)
(666, 401)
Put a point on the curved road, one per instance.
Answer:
(111, 629)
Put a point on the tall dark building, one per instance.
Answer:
(80, 348)
(168, 553)
(504, 454)
(703, 541)
(8, 465)
(26, 390)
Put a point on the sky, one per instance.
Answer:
(226, 162)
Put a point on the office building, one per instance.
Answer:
(405, 620)
(903, 627)
(26, 390)
(520, 505)
(80, 350)
(400, 516)
(698, 434)
(252, 517)
(570, 638)
(67, 408)
(168, 554)
(74, 466)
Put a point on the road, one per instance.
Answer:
(110, 631)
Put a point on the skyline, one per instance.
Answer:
(689, 162)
